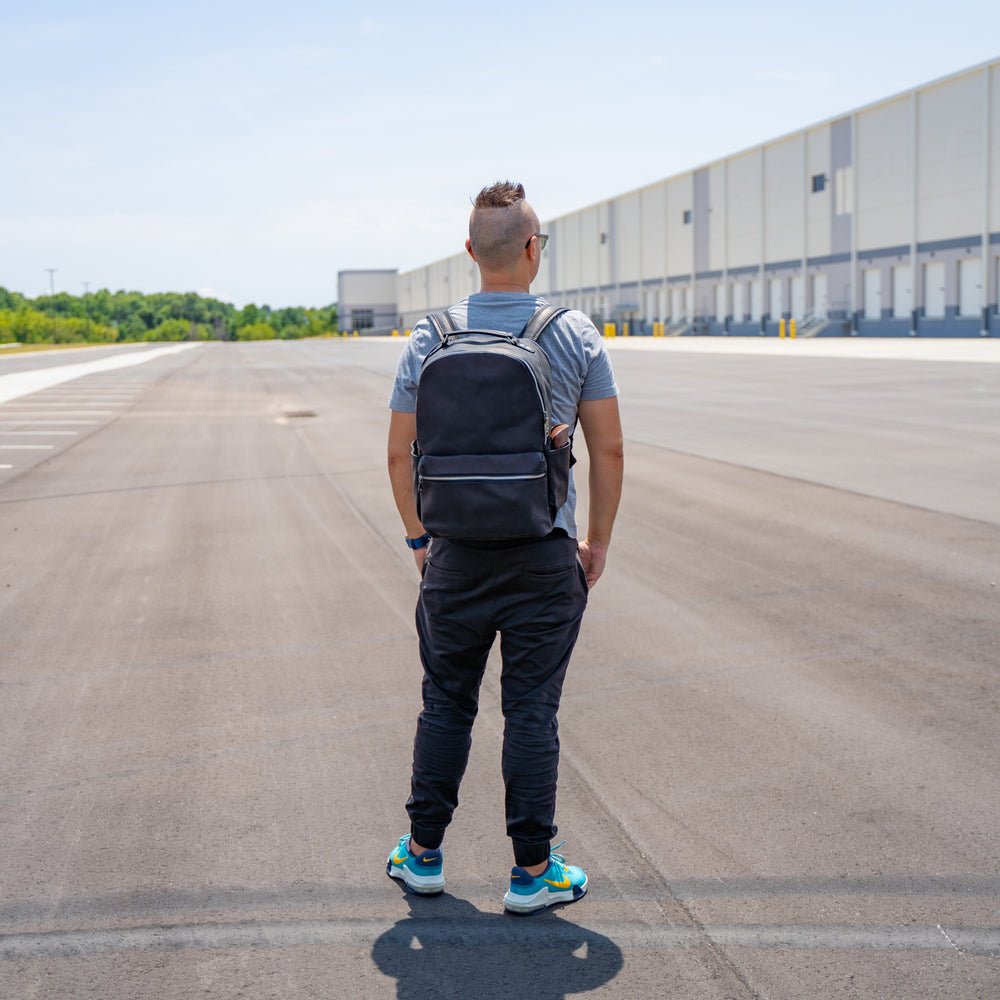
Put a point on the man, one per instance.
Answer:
(533, 591)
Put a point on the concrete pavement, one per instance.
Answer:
(779, 728)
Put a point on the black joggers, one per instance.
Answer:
(534, 595)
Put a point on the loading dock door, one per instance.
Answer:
(739, 302)
(756, 301)
(902, 292)
(798, 297)
(969, 287)
(774, 304)
(872, 278)
(934, 290)
(821, 298)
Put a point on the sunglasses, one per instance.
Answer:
(542, 240)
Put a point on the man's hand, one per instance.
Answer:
(419, 555)
(602, 430)
(402, 430)
(593, 555)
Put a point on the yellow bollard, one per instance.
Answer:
(395, 333)
(624, 329)
(406, 334)
(355, 333)
(781, 328)
(791, 328)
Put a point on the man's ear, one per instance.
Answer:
(468, 249)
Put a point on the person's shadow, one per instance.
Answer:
(446, 948)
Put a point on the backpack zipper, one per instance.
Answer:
(479, 478)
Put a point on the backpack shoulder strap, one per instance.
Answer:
(443, 324)
(541, 319)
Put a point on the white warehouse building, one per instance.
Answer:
(882, 222)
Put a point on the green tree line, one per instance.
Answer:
(106, 317)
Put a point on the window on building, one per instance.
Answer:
(843, 191)
(687, 216)
(819, 183)
(362, 319)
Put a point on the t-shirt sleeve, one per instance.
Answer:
(403, 398)
(599, 382)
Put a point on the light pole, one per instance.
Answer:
(52, 279)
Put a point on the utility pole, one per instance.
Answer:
(86, 287)
(52, 280)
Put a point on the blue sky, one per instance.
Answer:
(250, 151)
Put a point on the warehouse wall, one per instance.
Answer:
(367, 300)
(882, 222)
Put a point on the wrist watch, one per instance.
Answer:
(418, 543)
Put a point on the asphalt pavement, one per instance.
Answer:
(779, 729)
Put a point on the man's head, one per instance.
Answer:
(501, 228)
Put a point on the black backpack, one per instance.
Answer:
(485, 465)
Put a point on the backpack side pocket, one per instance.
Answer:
(559, 461)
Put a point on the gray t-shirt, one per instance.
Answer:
(581, 368)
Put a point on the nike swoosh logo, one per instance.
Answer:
(397, 860)
(427, 861)
(559, 885)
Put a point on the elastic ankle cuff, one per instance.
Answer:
(526, 855)
(427, 838)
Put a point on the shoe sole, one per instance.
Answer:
(542, 899)
(422, 885)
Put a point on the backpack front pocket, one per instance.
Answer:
(492, 497)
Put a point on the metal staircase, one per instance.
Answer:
(685, 326)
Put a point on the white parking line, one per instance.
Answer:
(60, 400)
(45, 433)
(46, 423)
(26, 447)
(22, 383)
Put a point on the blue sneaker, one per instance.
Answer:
(420, 874)
(559, 883)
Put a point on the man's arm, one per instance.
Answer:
(402, 431)
(602, 430)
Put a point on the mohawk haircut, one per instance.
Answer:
(503, 194)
